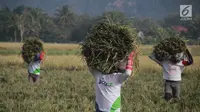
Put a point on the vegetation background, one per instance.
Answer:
(68, 86)
(68, 21)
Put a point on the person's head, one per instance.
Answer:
(177, 58)
(122, 64)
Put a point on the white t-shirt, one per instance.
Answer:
(108, 89)
(172, 71)
(34, 68)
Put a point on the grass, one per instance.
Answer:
(68, 86)
(145, 91)
(48, 52)
(72, 49)
(51, 49)
(15, 46)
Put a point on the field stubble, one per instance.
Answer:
(68, 86)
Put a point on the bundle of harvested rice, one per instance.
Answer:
(167, 49)
(30, 48)
(107, 44)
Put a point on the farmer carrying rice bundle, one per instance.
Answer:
(33, 54)
(173, 55)
(110, 51)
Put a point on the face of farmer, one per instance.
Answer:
(122, 64)
(179, 56)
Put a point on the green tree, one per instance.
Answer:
(34, 18)
(13, 26)
(114, 17)
(5, 14)
(22, 21)
(65, 17)
(82, 27)
(48, 32)
(65, 21)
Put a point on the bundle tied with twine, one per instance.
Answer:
(167, 49)
(107, 44)
(30, 48)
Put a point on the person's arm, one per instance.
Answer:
(152, 57)
(129, 65)
(189, 60)
(129, 68)
(94, 72)
(42, 55)
(39, 56)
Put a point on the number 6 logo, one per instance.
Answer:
(185, 11)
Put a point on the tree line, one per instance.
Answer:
(66, 26)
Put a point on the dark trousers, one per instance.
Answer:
(33, 77)
(172, 89)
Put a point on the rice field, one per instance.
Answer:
(67, 86)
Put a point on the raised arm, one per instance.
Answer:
(189, 60)
(129, 65)
(94, 72)
(152, 57)
(128, 69)
(42, 55)
(39, 56)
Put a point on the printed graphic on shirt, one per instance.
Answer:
(116, 105)
(36, 71)
(102, 81)
(34, 68)
(172, 69)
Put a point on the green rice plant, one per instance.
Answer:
(30, 48)
(167, 49)
(107, 44)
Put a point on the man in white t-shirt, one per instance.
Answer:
(172, 73)
(34, 67)
(108, 87)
